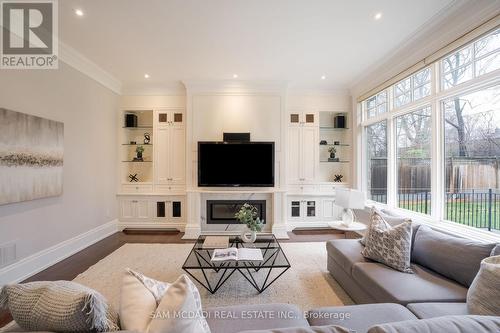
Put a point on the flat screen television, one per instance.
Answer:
(236, 164)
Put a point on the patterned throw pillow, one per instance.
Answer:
(59, 306)
(389, 245)
(391, 220)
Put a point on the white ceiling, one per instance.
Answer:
(297, 41)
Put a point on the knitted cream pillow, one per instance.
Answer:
(60, 306)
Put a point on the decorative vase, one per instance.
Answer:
(332, 155)
(139, 155)
(248, 236)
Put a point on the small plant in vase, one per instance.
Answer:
(248, 215)
(332, 151)
(139, 150)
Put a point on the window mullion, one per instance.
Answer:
(391, 163)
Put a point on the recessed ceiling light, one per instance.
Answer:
(79, 12)
(323, 77)
(377, 16)
(235, 76)
(146, 76)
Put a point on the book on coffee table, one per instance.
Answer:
(216, 242)
(237, 254)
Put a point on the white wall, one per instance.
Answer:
(88, 112)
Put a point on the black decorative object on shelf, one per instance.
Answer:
(336, 143)
(130, 120)
(338, 178)
(133, 142)
(133, 177)
(147, 138)
(339, 121)
(323, 142)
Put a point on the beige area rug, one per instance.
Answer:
(307, 283)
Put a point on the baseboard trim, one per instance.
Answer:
(39, 261)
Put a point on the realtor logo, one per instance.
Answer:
(29, 34)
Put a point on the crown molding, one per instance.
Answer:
(176, 88)
(452, 22)
(75, 59)
(235, 87)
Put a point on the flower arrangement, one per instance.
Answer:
(248, 215)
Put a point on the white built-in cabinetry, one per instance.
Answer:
(311, 190)
(302, 149)
(170, 154)
(157, 199)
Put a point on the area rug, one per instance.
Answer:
(307, 283)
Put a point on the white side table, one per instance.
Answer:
(354, 226)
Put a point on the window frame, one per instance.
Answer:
(436, 97)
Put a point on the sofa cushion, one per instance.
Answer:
(448, 324)
(345, 252)
(432, 310)
(496, 251)
(318, 329)
(359, 318)
(456, 258)
(388, 285)
(237, 318)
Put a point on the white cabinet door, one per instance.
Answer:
(162, 150)
(127, 209)
(329, 210)
(294, 155)
(309, 147)
(177, 155)
(142, 211)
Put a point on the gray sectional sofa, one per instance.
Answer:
(444, 267)
(430, 300)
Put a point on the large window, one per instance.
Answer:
(412, 88)
(451, 143)
(476, 59)
(413, 151)
(472, 156)
(376, 144)
(376, 104)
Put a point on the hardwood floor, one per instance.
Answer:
(70, 267)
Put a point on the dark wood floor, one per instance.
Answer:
(70, 267)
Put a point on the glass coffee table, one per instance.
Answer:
(260, 274)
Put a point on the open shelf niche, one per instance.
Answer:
(133, 170)
(338, 138)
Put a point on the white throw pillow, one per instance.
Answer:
(151, 306)
(180, 310)
(483, 296)
(139, 299)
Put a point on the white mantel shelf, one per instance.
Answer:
(236, 191)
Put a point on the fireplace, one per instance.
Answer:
(222, 211)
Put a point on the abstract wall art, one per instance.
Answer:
(31, 157)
